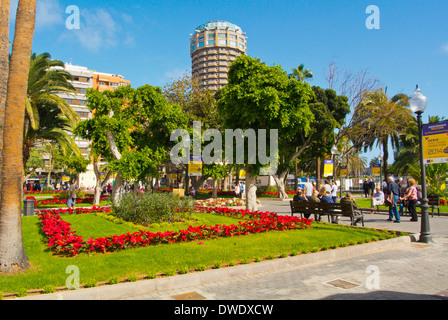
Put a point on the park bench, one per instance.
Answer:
(320, 209)
(434, 203)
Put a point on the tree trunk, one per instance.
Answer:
(4, 68)
(251, 192)
(118, 190)
(385, 158)
(215, 189)
(280, 182)
(12, 253)
(99, 185)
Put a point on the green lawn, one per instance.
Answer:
(366, 203)
(48, 269)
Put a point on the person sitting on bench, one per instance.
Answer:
(377, 199)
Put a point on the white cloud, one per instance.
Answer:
(99, 30)
(445, 48)
(48, 13)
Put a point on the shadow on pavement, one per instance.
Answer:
(384, 295)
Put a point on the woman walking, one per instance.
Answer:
(412, 198)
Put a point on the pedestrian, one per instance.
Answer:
(393, 193)
(371, 187)
(242, 189)
(237, 190)
(412, 198)
(326, 187)
(365, 188)
(72, 194)
(334, 191)
(308, 188)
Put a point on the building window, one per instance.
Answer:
(222, 41)
(211, 42)
(211, 35)
(233, 43)
(233, 37)
(193, 48)
(222, 35)
(200, 44)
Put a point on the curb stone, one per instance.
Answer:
(194, 279)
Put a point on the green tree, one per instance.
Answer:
(263, 97)
(302, 74)
(381, 121)
(48, 116)
(12, 253)
(131, 131)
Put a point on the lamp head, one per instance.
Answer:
(418, 102)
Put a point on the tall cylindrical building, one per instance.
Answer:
(214, 46)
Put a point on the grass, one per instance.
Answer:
(49, 271)
(366, 203)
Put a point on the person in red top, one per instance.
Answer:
(412, 198)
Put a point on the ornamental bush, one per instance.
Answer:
(146, 209)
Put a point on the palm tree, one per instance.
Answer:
(407, 153)
(384, 120)
(4, 66)
(12, 253)
(302, 74)
(48, 116)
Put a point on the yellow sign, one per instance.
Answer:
(376, 170)
(435, 143)
(242, 173)
(343, 171)
(328, 168)
(195, 167)
(65, 178)
(173, 176)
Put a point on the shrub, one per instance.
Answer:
(201, 267)
(22, 293)
(132, 278)
(146, 209)
(90, 284)
(114, 280)
(48, 289)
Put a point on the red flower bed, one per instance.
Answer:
(61, 201)
(62, 240)
(44, 192)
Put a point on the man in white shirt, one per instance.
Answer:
(334, 191)
(308, 187)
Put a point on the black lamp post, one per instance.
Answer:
(418, 104)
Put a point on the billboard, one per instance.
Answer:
(435, 143)
(376, 170)
(328, 168)
(195, 166)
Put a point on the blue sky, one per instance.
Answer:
(148, 41)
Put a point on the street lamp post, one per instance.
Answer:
(380, 158)
(418, 104)
(335, 152)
